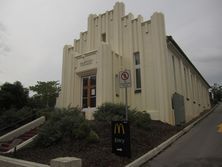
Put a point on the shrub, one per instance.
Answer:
(116, 112)
(49, 134)
(45, 112)
(92, 137)
(25, 112)
(140, 118)
(110, 112)
(82, 131)
(11, 116)
(64, 124)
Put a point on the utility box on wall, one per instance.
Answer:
(179, 108)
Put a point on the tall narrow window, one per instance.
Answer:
(89, 91)
(103, 36)
(136, 57)
(117, 88)
(186, 83)
(174, 73)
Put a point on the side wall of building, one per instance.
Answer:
(185, 80)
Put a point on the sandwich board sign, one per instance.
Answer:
(121, 138)
(125, 79)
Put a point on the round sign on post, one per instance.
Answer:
(124, 75)
(125, 78)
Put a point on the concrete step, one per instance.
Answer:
(4, 149)
(6, 146)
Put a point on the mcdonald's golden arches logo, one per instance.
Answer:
(119, 128)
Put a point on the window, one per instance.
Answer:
(174, 73)
(89, 91)
(186, 82)
(136, 57)
(103, 37)
(117, 86)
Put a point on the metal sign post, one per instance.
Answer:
(126, 107)
(121, 129)
(125, 81)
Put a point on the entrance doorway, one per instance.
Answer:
(89, 91)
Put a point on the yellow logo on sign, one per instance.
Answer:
(119, 128)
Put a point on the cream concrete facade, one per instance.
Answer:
(114, 42)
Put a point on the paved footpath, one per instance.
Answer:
(200, 147)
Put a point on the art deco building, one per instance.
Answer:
(164, 82)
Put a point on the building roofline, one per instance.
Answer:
(170, 39)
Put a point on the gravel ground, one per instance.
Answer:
(100, 154)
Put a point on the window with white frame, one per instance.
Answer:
(136, 57)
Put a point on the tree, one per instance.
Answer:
(216, 89)
(13, 95)
(46, 93)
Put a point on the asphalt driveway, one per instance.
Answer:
(200, 147)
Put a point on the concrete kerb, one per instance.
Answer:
(58, 162)
(152, 153)
(13, 162)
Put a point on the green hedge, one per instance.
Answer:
(11, 116)
(67, 124)
(116, 112)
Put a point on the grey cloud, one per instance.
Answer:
(210, 59)
(215, 78)
(208, 55)
(4, 47)
(44, 27)
(210, 69)
(2, 27)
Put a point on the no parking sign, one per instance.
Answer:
(125, 78)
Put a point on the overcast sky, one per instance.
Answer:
(33, 33)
